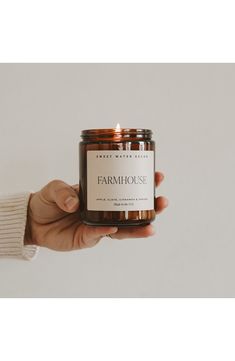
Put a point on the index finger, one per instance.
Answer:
(134, 232)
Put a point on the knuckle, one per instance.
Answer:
(55, 183)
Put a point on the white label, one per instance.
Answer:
(120, 180)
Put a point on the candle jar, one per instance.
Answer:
(116, 177)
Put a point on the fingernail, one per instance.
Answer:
(113, 230)
(166, 203)
(75, 186)
(71, 202)
(152, 232)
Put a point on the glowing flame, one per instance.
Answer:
(118, 127)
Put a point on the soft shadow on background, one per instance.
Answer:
(190, 108)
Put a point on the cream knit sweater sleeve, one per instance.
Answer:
(13, 215)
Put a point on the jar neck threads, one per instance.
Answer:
(113, 134)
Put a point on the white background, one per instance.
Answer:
(190, 109)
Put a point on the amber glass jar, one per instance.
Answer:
(116, 177)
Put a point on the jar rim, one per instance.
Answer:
(115, 131)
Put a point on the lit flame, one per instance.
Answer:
(118, 127)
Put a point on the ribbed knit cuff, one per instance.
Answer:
(13, 216)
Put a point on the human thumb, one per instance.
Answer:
(62, 194)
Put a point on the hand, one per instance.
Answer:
(53, 220)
